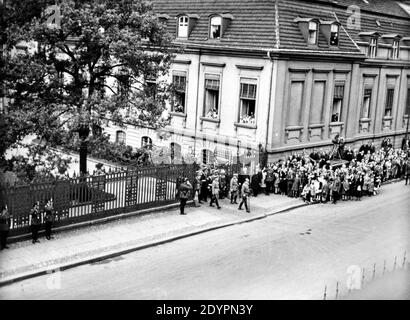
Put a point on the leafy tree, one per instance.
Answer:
(93, 64)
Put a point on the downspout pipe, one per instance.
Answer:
(269, 103)
(197, 99)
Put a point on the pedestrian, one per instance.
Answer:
(223, 188)
(407, 171)
(184, 190)
(49, 218)
(234, 189)
(255, 184)
(215, 192)
(269, 180)
(204, 185)
(4, 227)
(245, 195)
(35, 221)
(197, 189)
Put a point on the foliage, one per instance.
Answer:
(91, 68)
(101, 147)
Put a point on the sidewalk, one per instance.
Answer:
(95, 243)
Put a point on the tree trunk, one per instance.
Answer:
(83, 157)
(83, 133)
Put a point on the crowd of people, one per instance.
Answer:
(312, 177)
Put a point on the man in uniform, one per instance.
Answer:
(215, 191)
(234, 188)
(245, 195)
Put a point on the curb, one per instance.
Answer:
(52, 269)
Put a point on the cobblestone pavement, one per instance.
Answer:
(293, 255)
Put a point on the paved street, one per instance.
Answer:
(292, 255)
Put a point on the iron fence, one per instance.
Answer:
(91, 197)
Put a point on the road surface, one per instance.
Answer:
(292, 255)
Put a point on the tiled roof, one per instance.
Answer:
(385, 25)
(290, 34)
(254, 25)
(390, 7)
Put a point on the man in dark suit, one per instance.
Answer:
(184, 190)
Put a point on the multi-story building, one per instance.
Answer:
(282, 76)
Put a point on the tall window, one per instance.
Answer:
(389, 102)
(337, 102)
(120, 137)
(146, 142)
(334, 35)
(367, 97)
(207, 156)
(372, 53)
(407, 109)
(183, 27)
(312, 32)
(212, 86)
(175, 151)
(179, 82)
(395, 50)
(215, 30)
(248, 101)
(151, 85)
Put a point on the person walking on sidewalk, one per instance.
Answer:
(234, 188)
(245, 195)
(35, 221)
(48, 218)
(4, 227)
(184, 190)
(215, 192)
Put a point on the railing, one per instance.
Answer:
(91, 197)
(358, 277)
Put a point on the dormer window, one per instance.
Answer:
(183, 27)
(372, 53)
(395, 49)
(334, 35)
(216, 26)
(312, 39)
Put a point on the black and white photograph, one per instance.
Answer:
(204, 150)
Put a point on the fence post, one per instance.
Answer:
(363, 277)
(337, 290)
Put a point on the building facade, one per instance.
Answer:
(278, 76)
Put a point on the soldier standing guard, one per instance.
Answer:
(35, 221)
(245, 195)
(48, 218)
(4, 227)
